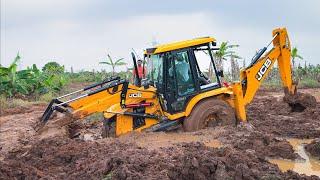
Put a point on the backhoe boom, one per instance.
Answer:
(252, 76)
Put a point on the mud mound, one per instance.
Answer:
(262, 144)
(271, 115)
(65, 158)
(60, 125)
(314, 148)
(300, 101)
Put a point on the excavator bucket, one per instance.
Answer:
(51, 108)
(59, 105)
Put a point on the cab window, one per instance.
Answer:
(180, 86)
(183, 73)
(155, 70)
(206, 73)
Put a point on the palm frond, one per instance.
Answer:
(120, 63)
(105, 62)
(110, 59)
(15, 61)
(299, 57)
(119, 60)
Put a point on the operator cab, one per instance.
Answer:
(181, 70)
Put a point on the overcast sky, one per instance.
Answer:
(80, 33)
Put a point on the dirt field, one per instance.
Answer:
(240, 152)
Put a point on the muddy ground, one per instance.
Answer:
(240, 152)
(314, 148)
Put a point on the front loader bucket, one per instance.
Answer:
(50, 109)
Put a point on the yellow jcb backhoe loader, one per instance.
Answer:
(180, 88)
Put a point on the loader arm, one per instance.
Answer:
(252, 76)
(91, 99)
(97, 97)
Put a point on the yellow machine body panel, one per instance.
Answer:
(95, 103)
(135, 95)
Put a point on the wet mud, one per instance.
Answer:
(314, 148)
(300, 101)
(79, 152)
(74, 159)
(272, 115)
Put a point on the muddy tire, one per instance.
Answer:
(210, 113)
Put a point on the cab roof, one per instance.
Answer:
(179, 45)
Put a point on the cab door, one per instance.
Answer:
(180, 84)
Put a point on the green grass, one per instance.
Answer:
(304, 83)
(273, 84)
(6, 103)
(309, 83)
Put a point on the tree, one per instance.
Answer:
(53, 68)
(223, 52)
(294, 55)
(112, 63)
(128, 73)
(235, 69)
(10, 81)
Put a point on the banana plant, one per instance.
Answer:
(223, 52)
(28, 81)
(112, 63)
(12, 82)
(295, 55)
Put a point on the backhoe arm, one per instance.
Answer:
(252, 76)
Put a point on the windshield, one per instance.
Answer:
(155, 70)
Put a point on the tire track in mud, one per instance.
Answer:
(15, 128)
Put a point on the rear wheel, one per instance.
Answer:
(210, 113)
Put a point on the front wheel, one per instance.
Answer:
(210, 113)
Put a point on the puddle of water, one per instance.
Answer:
(310, 166)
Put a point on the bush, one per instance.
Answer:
(53, 68)
(30, 81)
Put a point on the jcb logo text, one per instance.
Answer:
(263, 69)
(135, 95)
